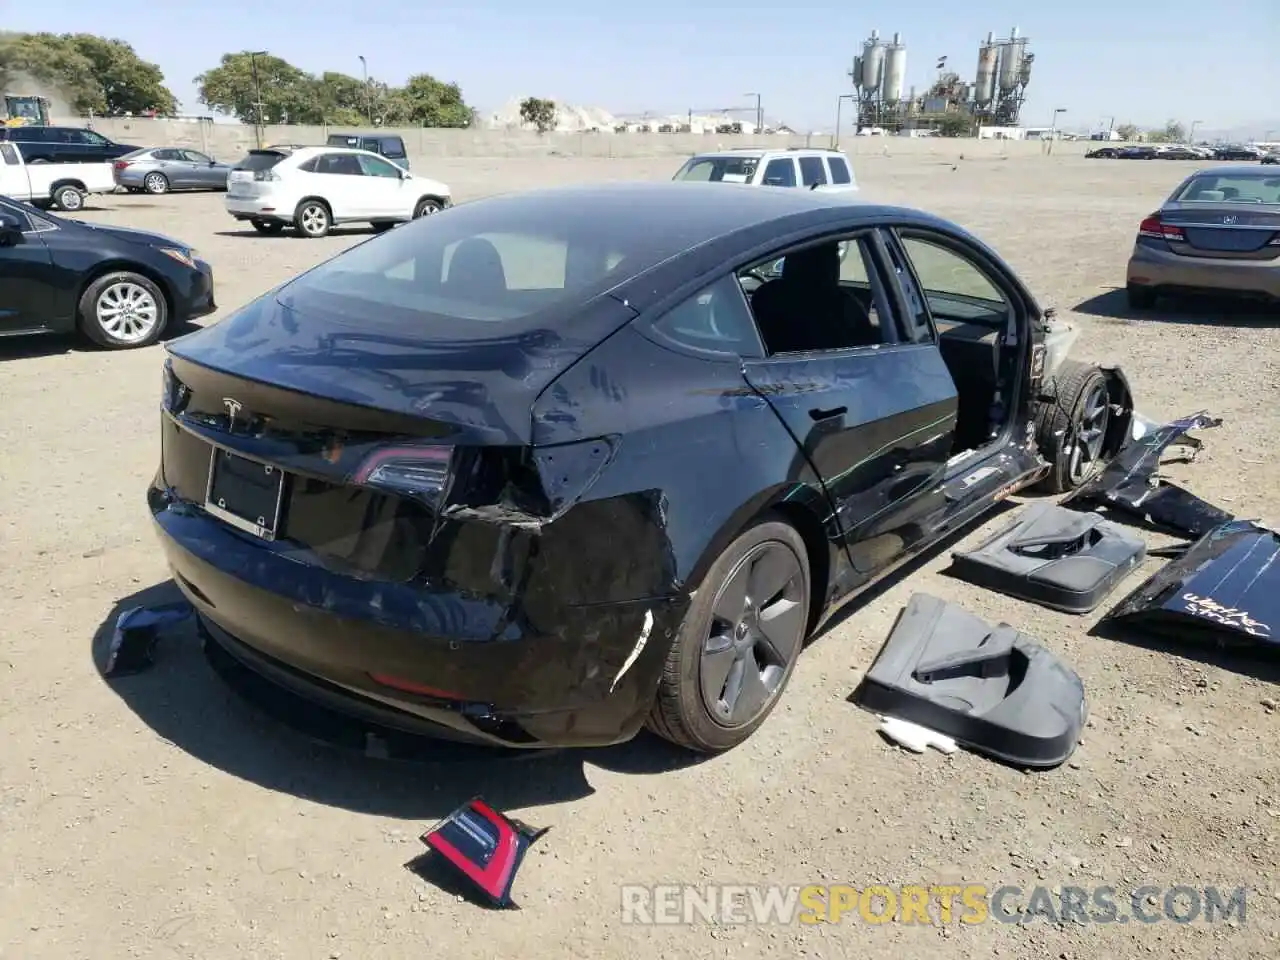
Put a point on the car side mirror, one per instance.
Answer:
(10, 230)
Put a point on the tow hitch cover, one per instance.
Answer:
(1055, 557)
(993, 690)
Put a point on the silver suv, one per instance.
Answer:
(800, 167)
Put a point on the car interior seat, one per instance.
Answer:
(475, 265)
(806, 309)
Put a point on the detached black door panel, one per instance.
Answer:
(878, 426)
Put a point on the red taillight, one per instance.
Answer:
(412, 471)
(1152, 227)
(120, 164)
(408, 686)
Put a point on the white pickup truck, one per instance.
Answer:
(65, 185)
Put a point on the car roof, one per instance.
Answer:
(763, 151)
(304, 152)
(366, 136)
(1237, 170)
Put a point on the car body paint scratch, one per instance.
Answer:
(636, 650)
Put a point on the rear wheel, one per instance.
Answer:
(1072, 426)
(739, 642)
(269, 227)
(123, 310)
(312, 219)
(426, 207)
(68, 198)
(156, 183)
(1140, 297)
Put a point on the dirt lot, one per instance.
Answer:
(161, 815)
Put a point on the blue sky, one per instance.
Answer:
(1140, 60)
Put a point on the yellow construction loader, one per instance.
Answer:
(25, 111)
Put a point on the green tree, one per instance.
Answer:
(289, 95)
(1174, 132)
(955, 124)
(541, 113)
(95, 74)
(429, 102)
(1128, 131)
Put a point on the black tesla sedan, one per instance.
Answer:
(121, 288)
(549, 466)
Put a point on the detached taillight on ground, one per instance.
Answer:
(1153, 228)
(421, 472)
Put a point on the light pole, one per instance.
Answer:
(1191, 134)
(759, 112)
(1053, 127)
(835, 138)
(257, 95)
(364, 70)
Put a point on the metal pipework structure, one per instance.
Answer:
(1000, 83)
(879, 77)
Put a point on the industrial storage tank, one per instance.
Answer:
(1011, 54)
(984, 83)
(856, 72)
(872, 63)
(895, 70)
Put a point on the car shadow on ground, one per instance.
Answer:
(1195, 310)
(290, 234)
(1255, 661)
(225, 715)
(56, 344)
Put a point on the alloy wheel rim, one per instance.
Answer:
(314, 219)
(427, 209)
(155, 183)
(127, 311)
(1089, 436)
(757, 627)
(70, 200)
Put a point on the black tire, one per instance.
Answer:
(1140, 297)
(68, 198)
(681, 713)
(270, 227)
(1071, 397)
(426, 207)
(91, 321)
(155, 183)
(313, 219)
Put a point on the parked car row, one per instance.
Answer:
(1149, 151)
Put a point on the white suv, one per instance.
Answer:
(314, 188)
(827, 170)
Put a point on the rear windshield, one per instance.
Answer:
(727, 169)
(1229, 188)
(135, 153)
(489, 262)
(260, 160)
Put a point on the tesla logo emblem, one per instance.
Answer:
(233, 410)
(1230, 219)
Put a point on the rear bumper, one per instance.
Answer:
(1166, 270)
(459, 667)
(258, 208)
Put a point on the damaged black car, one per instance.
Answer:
(550, 467)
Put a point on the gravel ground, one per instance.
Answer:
(161, 815)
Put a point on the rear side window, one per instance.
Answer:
(260, 160)
(839, 170)
(393, 147)
(780, 172)
(812, 171)
(716, 319)
(717, 169)
(339, 140)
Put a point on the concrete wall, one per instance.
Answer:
(230, 141)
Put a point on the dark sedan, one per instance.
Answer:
(121, 288)
(547, 467)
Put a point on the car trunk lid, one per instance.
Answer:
(1226, 230)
